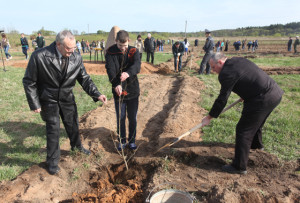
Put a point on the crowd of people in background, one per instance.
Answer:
(144, 45)
(296, 43)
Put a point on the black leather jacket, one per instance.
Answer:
(44, 82)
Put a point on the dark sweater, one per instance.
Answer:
(40, 41)
(179, 50)
(130, 61)
(247, 80)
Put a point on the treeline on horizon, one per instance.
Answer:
(276, 30)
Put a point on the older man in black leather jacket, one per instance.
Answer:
(49, 79)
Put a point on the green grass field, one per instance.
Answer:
(271, 61)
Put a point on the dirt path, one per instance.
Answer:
(168, 108)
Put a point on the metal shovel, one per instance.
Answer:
(196, 127)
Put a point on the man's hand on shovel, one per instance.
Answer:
(206, 120)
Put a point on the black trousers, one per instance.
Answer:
(205, 63)
(130, 107)
(141, 55)
(24, 50)
(152, 56)
(249, 127)
(51, 114)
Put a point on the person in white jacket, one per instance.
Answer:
(186, 47)
(139, 45)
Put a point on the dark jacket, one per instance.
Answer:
(179, 50)
(209, 45)
(83, 44)
(247, 80)
(24, 42)
(45, 83)
(40, 41)
(149, 44)
(296, 43)
(131, 64)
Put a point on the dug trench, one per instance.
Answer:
(169, 106)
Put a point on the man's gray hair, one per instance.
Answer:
(217, 56)
(62, 35)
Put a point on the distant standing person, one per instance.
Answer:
(25, 46)
(83, 46)
(162, 43)
(261, 95)
(139, 45)
(237, 45)
(49, 80)
(158, 43)
(289, 44)
(226, 45)
(218, 46)
(249, 45)
(102, 44)
(208, 48)
(122, 66)
(256, 44)
(150, 46)
(87, 46)
(5, 45)
(196, 42)
(186, 47)
(178, 50)
(222, 45)
(244, 44)
(296, 43)
(78, 46)
(40, 41)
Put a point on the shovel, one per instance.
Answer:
(196, 127)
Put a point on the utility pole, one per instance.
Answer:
(88, 28)
(185, 29)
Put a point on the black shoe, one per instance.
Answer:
(53, 170)
(82, 150)
(231, 169)
(121, 146)
(132, 146)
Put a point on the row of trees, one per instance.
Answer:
(277, 30)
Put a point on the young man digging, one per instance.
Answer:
(122, 66)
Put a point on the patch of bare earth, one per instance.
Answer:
(168, 108)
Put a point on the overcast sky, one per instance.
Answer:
(140, 15)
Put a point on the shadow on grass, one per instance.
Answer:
(23, 143)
